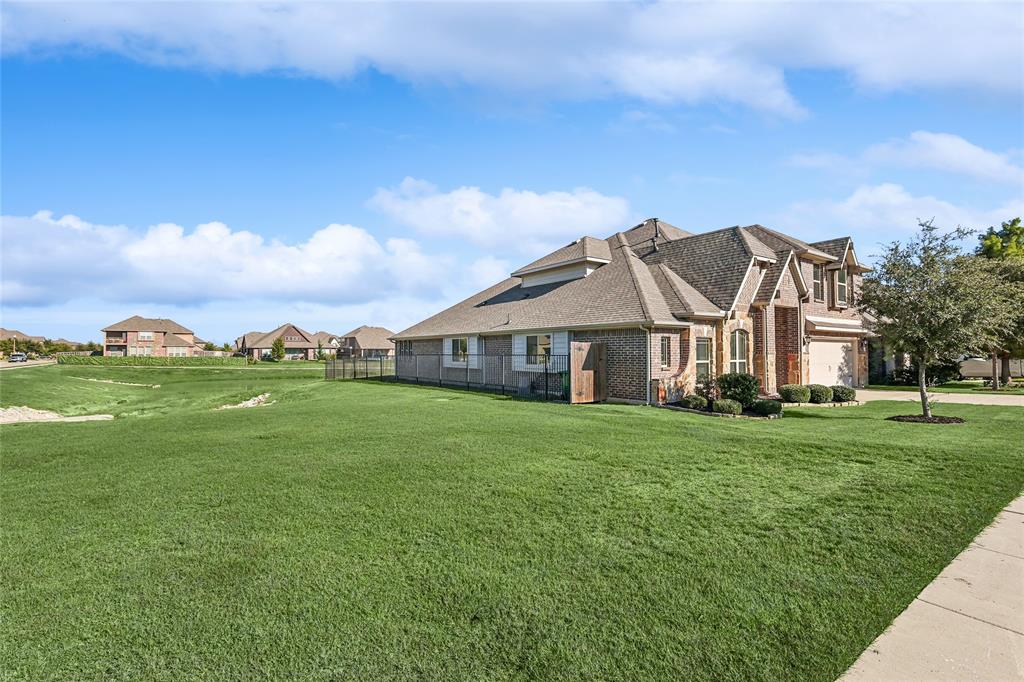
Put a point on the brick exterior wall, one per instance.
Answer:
(497, 345)
(787, 346)
(626, 360)
(671, 382)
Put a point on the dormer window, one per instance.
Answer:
(841, 297)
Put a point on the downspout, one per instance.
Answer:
(648, 329)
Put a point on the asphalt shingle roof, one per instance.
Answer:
(583, 248)
(135, 323)
(372, 338)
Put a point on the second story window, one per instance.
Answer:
(841, 287)
(460, 349)
(819, 283)
(666, 352)
(145, 336)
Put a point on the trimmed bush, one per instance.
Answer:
(820, 394)
(694, 402)
(743, 388)
(843, 394)
(727, 406)
(795, 393)
(766, 408)
(150, 361)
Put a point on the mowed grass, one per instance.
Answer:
(1016, 388)
(374, 531)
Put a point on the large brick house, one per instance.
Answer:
(367, 342)
(142, 336)
(672, 306)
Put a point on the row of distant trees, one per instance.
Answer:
(935, 302)
(45, 347)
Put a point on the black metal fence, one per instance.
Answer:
(359, 368)
(537, 376)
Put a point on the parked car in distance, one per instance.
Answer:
(17, 357)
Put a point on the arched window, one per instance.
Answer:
(738, 351)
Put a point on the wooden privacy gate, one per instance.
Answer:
(588, 372)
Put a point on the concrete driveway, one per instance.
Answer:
(979, 398)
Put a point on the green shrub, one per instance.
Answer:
(694, 402)
(149, 361)
(767, 408)
(727, 406)
(820, 394)
(843, 394)
(743, 388)
(795, 393)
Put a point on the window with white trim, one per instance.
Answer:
(459, 349)
(738, 351)
(819, 282)
(538, 349)
(666, 351)
(703, 358)
(841, 287)
(145, 336)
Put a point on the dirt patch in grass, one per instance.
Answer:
(14, 415)
(921, 419)
(119, 383)
(255, 401)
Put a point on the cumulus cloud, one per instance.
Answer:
(48, 260)
(659, 52)
(921, 149)
(513, 219)
(883, 211)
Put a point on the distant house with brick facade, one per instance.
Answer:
(298, 343)
(142, 336)
(367, 342)
(672, 307)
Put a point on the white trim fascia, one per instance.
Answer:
(814, 319)
(560, 264)
(842, 330)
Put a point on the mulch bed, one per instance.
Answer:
(921, 419)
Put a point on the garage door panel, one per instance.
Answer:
(831, 362)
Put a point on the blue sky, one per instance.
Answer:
(235, 167)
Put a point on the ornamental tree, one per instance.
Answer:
(928, 299)
(277, 349)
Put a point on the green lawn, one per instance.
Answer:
(368, 531)
(956, 387)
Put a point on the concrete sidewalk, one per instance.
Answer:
(976, 398)
(968, 624)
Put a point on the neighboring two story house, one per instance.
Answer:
(671, 307)
(142, 336)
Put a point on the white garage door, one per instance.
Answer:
(831, 362)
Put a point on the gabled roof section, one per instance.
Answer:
(783, 242)
(136, 323)
(582, 250)
(834, 247)
(175, 341)
(653, 229)
(777, 270)
(682, 298)
(373, 338)
(714, 263)
(267, 340)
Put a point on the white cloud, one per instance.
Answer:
(885, 211)
(660, 52)
(921, 149)
(48, 260)
(513, 219)
(946, 152)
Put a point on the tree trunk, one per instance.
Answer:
(1005, 368)
(926, 407)
(995, 372)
